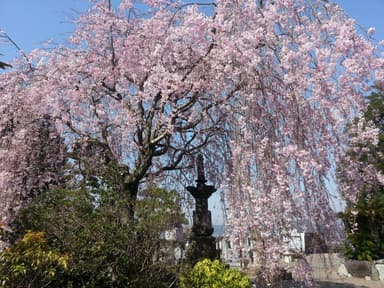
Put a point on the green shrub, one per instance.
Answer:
(213, 274)
(106, 248)
(30, 263)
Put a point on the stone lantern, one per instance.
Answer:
(202, 243)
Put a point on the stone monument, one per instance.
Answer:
(202, 243)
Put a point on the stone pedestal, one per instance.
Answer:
(202, 247)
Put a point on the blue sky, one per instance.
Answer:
(31, 22)
(368, 13)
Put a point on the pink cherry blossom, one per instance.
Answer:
(264, 89)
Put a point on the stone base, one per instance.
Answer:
(202, 247)
(358, 269)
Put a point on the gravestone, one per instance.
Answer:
(201, 243)
(378, 271)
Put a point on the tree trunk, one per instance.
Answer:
(130, 190)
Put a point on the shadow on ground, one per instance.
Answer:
(326, 284)
(319, 284)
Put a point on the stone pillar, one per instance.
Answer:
(202, 243)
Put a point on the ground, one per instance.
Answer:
(340, 283)
(351, 283)
(325, 270)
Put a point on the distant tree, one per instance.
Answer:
(364, 222)
(364, 218)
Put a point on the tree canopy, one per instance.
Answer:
(264, 88)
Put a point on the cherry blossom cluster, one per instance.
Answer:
(264, 88)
